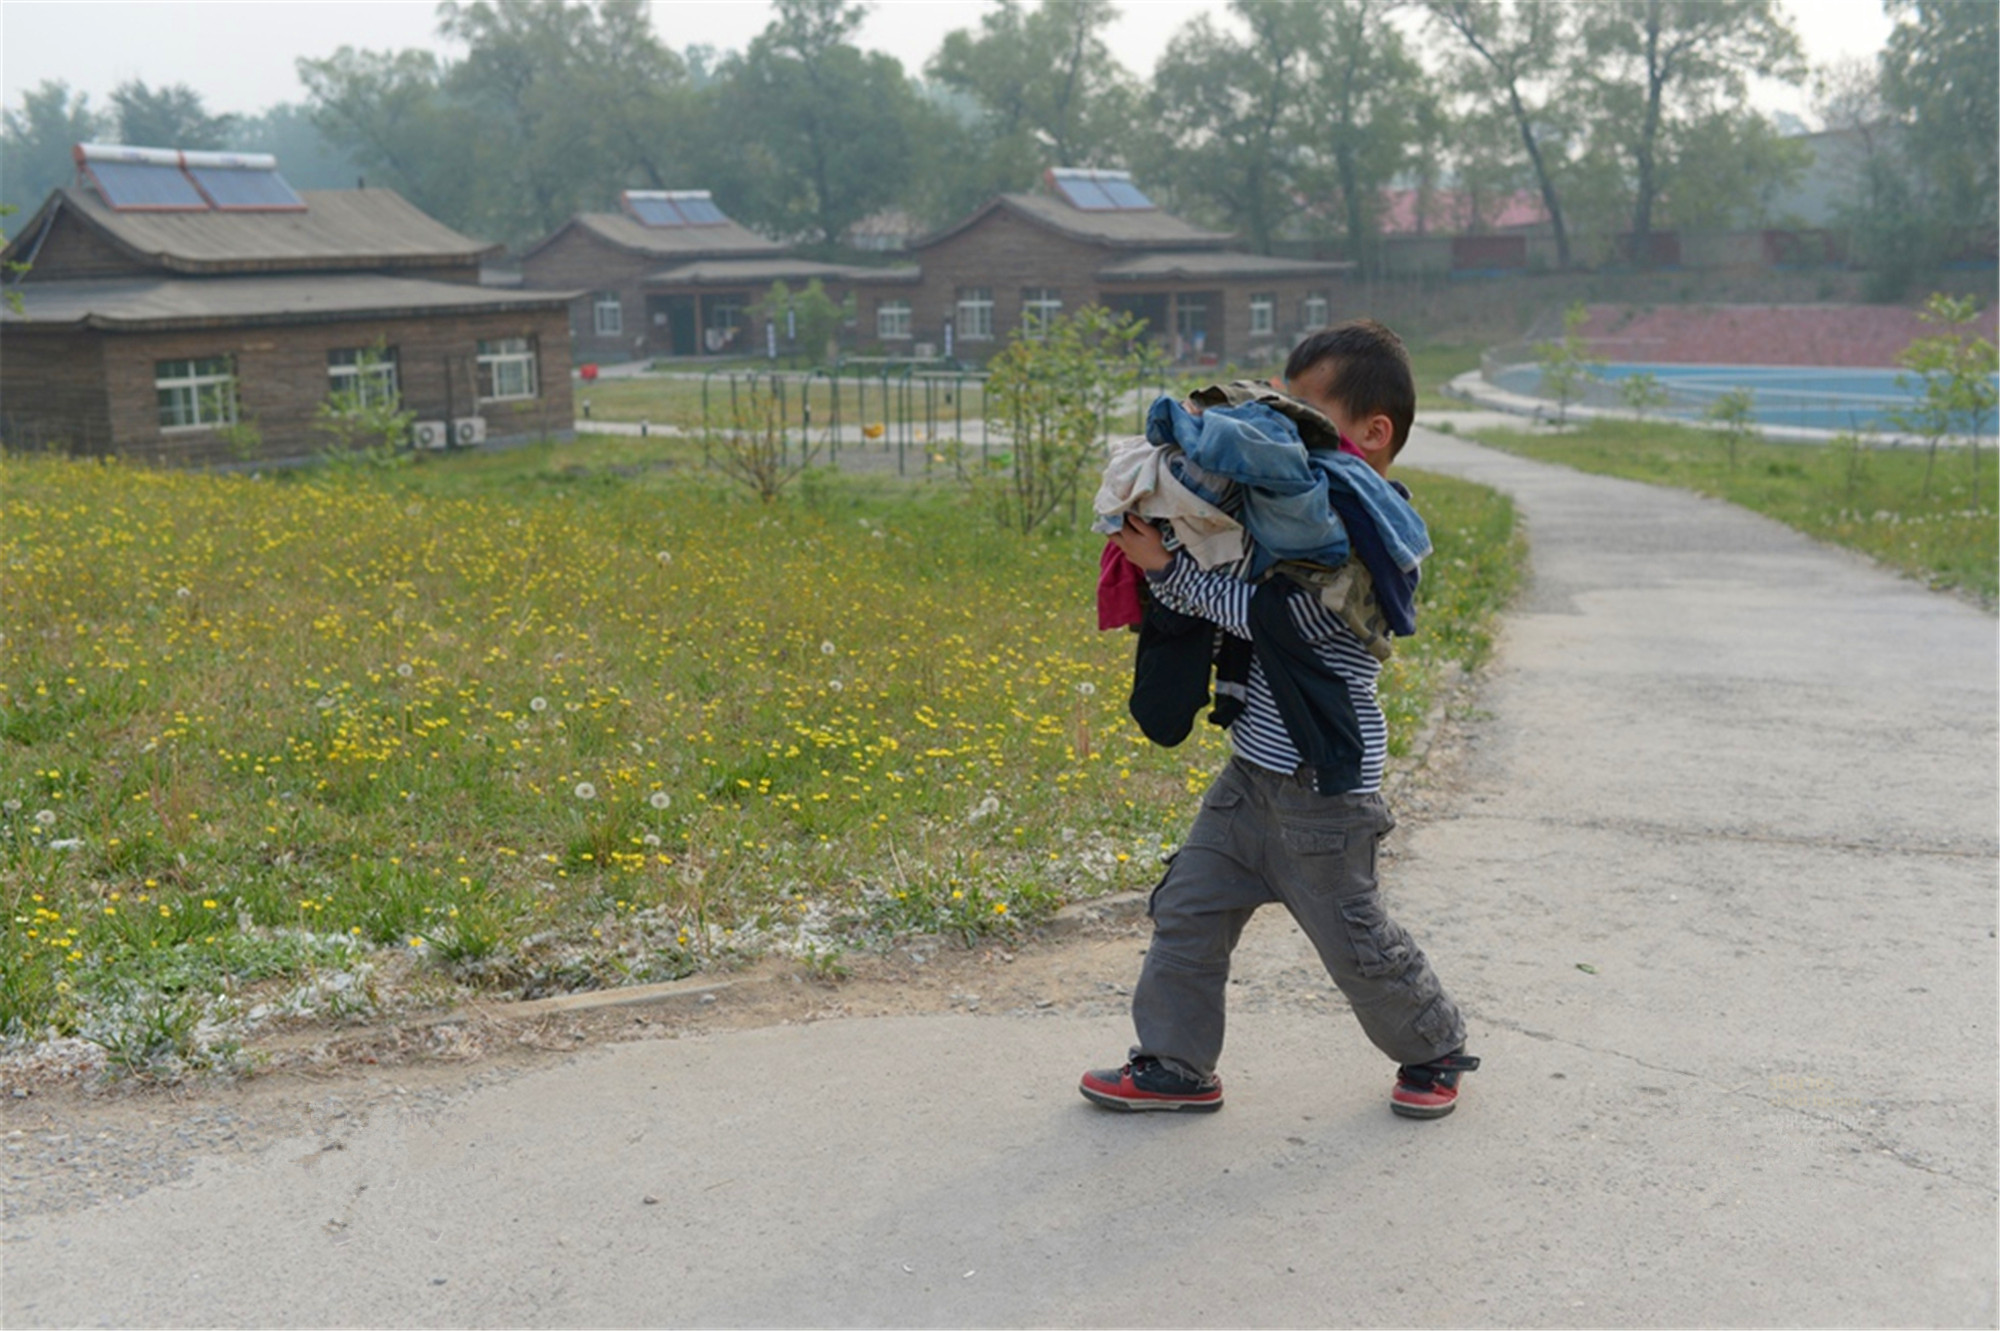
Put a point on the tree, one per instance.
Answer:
(571, 102)
(1656, 65)
(35, 143)
(1938, 77)
(170, 117)
(390, 113)
(1369, 96)
(820, 131)
(1729, 169)
(1568, 368)
(1954, 373)
(1735, 414)
(1054, 396)
(1229, 120)
(1314, 104)
(1517, 54)
(553, 109)
(286, 131)
(1045, 77)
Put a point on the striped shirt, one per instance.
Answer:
(1258, 735)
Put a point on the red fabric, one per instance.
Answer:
(1117, 590)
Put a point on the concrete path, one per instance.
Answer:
(1717, 887)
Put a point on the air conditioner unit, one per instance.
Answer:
(429, 434)
(468, 430)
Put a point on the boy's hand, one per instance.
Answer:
(1141, 542)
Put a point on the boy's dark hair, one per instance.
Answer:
(1371, 372)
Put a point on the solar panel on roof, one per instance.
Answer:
(654, 208)
(141, 185)
(1083, 192)
(233, 188)
(1122, 192)
(700, 210)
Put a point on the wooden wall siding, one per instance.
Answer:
(1009, 254)
(73, 249)
(1006, 253)
(581, 260)
(51, 393)
(282, 379)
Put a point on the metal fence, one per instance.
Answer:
(891, 411)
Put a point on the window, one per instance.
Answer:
(975, 314)
(196, 394)
(362, 376)
(892, 320)
(607, 316)
(1263, 314)
(507, 369)
(1038, 306)
(1312, 311)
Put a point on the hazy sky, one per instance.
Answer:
(240, 55)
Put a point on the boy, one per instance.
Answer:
(1265, 832)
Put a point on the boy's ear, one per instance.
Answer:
(1377, 434)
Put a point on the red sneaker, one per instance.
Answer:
(1430, 1090)
(1147, 1083)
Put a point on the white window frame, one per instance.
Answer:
(349, 380)
(607, 314)
(892, 321)
(1039, 306)
(509, 369)
(975, 314)
(1263, 314)
(1314, 311)
(197, 392)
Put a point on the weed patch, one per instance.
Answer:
(294, 748)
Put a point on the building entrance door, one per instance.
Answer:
(671, 326)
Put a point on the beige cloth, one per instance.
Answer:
(1138, 479)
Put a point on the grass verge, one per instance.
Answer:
(1871, 499)
(554, 719)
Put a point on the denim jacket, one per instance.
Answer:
(1286, 485)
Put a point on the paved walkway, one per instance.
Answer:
(1717, 888)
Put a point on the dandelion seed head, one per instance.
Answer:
(836, 685)
(1086, 688)
(826, 648)
(538, 704)
(659, 799)
(11, 806)
(586, 791)
(45, 817)
(182, 593)
(650, 839)
(405, 670)
(665, 556)
(324, 703)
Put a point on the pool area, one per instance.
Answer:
(1795, 396)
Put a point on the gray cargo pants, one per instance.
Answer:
(1263, 837)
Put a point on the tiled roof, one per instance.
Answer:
(736, 272)
(722, 240)
(168, 302)
(1216, 264)
(363, 228)
(1147, 228)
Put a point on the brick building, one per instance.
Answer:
(671, 275)
(1094, 239)
(191, 307)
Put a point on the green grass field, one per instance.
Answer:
(1871, 499)
(564, 717)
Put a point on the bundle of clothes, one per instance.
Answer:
(1257, 484)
